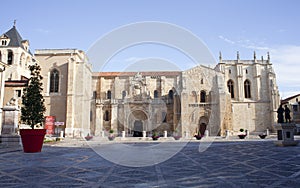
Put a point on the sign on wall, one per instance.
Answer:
(49, 125)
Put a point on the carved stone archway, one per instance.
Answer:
(138, 122)
(203, 122)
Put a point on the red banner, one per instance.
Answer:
(49, 125)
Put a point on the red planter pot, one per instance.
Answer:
(32, 139)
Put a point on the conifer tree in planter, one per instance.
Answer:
(32, 112)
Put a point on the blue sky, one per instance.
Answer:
(223, 25)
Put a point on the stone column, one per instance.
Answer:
(10, 124)
(116, 88)
(114, 117)
(10, 121)
(99, 120)
(165, 134)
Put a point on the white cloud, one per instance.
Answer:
(254, 47)
(285, 61)
(44, 31)
(245, 43)
(226, 39)
(281, 30)
(133, 59)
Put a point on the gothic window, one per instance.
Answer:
(203, 96)
(54, 81)
(247, 89)
(229, 71)
(108, 94)
(10, 56)
(155, 94)
(106, 116)
(123, 94)
(230, 86)
(164, 117)
(246, 71)
(194, 95)
(171, 93)
(201, 81)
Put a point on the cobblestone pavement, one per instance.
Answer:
(257, 163)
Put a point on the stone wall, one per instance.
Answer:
(72, 103)
(139, 88)
(257, 112)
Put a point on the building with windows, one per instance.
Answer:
(16, 56)
(235, 94)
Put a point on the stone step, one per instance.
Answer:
(10, 139)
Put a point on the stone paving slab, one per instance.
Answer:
(72, 163)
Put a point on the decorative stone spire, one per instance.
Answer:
(238, 55)
(254, 55)
(262, 59)
(220, 56)
(15, 22)
(268, 54)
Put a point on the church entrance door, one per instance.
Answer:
(203, 121)
(138, 128)
(202, 128)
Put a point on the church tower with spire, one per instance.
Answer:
(15, 54)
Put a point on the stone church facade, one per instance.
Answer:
(235, 94)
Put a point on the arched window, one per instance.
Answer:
(201, 81)
(10, 57)
(202, 96)
(164, 117)
(106, 116)
(230, 86)
(194, 95)
(229, 71)
(247, 88)
(108, 94)
(54, 81)
(123, 94)
(22, 59)
(155, 94)
(171, 93)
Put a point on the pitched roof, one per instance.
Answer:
(286, 100)
(15, 38)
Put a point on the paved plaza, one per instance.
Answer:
(235, 163)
